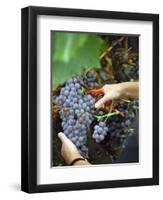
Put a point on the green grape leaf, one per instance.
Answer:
(72, 52)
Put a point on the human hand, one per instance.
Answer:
(111, 92)
(118, 91)
(68, 149)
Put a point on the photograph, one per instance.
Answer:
(94, 98)
(90, 99)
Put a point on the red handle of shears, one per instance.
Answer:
(95, 92)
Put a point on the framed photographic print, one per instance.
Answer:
(90, 99)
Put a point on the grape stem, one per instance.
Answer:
(99, 117)
(82, 89)
(111, 106)
(125, 100)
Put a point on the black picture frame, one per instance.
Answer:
(29, 98)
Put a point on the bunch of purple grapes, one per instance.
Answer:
(100, 131)
(89, 80)
(76, 109)
(117, 128)
(76, 113)
(132, 72)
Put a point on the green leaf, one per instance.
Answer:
(72, 52)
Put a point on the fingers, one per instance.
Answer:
(99, 103)
(62, 137)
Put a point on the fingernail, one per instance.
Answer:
(96, 105)
(60, 134)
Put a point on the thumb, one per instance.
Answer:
(62, 137)
(100, 102)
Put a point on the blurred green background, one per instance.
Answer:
(72, 52)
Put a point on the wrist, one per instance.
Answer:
(129, 90)
(73, 157)
(80, 161)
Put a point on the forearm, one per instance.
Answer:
(130, 90)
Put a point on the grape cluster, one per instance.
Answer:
(132, 71)
(76, 113)
(100, 131)
(130, 110)
(117, 128)
(90, 80)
